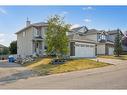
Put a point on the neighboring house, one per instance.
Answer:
(30, 40)
(124, 43)
(104, 39)
(3, 52)
(124, 48)
(2, 47)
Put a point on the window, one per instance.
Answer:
(102, 37)
(44, 32)
(72, 48)
(24, 34)
(37, 32)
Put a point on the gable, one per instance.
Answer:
(32, 25)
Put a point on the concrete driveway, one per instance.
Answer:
(110, 77)
(11, 72)
(111, 61)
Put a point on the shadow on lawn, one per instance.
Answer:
(16, 76)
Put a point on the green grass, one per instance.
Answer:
(72, 65)
(121, 57)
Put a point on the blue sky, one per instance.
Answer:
(12, 18)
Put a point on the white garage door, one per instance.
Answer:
(111, 51)
(84, 50)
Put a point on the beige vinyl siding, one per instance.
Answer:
(101, 49)
(24, 42)
(92, 37)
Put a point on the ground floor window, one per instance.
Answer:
(72, 48)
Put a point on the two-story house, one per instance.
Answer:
(30, 40)
(104, 39)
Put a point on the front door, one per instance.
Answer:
(38, 47)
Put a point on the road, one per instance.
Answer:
(109, 77)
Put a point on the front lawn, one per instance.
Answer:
(72, 65)
(121, 57)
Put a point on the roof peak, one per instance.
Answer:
(33, 24)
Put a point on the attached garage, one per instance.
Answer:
(101, 50)
(82, 49)
(110, 48)
(105, 48)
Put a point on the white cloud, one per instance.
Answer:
(1, 35)
(88, 8)
(3, 11)
(6, 39)
(10, 38)
(74, 26)
(2, 40)
(87, 20)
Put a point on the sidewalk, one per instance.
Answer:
(111, 61)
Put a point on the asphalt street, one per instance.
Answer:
(109, 77)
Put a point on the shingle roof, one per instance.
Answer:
(34, 24)
(78, 29)
(86, 30)
(92, 31)
(78, 37)
(114, 32)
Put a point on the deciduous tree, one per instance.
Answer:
(13, 47)
(56, 38)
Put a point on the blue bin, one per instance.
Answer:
(11, 59)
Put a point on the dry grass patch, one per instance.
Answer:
(38, 62)
(72, 65)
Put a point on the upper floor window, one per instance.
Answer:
(37, 32)
(44, 32)
(103, 37)
(24, 34)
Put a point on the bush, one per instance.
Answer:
(58, 61)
